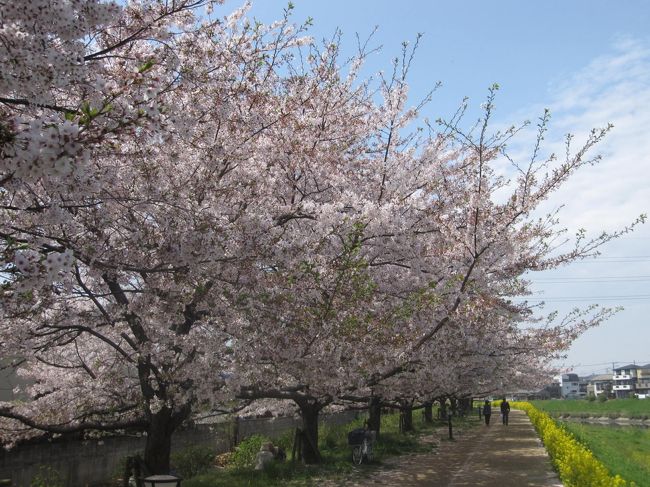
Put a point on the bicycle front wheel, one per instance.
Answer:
(357, 455)
(368, 452)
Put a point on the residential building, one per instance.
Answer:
(570, 386)
(632, 379)
(643, 381)
(599, 384)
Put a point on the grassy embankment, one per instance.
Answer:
(335, 452)
(613, 408)
(623, 450)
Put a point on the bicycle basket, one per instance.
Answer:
(356, 436)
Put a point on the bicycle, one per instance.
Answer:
(361, 441)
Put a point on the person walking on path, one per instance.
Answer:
(505, 411)
(487, 412)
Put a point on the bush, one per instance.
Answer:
(285, 441)
(575, 464)
(246, 452)
(47, 476)
(192, 461)
(602, 397)
(335, 437)
(591, 397)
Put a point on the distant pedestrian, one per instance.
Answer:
(505, 411)
(487, 412)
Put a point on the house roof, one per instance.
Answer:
(599, 377)
(570, 377)
(630, 366)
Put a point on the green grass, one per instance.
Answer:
(336, 456)
(613, 408)
(623, 450)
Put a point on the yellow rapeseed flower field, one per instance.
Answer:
(575, 464)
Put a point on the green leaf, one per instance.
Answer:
(146, 66)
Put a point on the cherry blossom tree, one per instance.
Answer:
(438, 254)
(132, 201)
(197, 208)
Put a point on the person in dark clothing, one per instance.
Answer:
(487, 412)
(505, 411)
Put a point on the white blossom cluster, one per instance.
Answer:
(44, 149)
(34, 267)
(43, 43)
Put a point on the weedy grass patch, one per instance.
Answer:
(612, 408)
(335, 452)
(623, 450)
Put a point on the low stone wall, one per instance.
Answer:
(93, 462)
(76, 463)
(605, 420)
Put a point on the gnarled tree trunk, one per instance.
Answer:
(406, 418)
(374, 414)
(309, 410)
(157, 448)
(465, 405)
(428, 412)
(454, 406)
(443, 408)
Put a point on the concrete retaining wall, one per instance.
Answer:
(94, 462)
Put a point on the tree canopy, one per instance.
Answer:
(197, 208)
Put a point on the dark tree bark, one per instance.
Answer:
(406, 419)
(374, 414)
(309, 410)
(159, 443)
(428, 412)
(454, 406)
(465, 405)
(443, 408)
(157, 448)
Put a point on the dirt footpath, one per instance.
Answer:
(485, 456)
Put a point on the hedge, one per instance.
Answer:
(575, 464)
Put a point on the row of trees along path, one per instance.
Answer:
(494, 455)
(198, 210)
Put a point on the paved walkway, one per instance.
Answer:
(484, 456)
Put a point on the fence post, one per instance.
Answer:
(296, 451)
(235, 433)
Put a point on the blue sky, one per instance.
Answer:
(586, 60)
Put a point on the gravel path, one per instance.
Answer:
(485, 456)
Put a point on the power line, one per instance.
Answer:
(613, 362)
(594, 368)
(591, 279)
(614, 258)
(610, 261)
(584, 298)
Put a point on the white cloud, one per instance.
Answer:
(614, 88)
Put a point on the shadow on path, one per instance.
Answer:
(484, 456)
